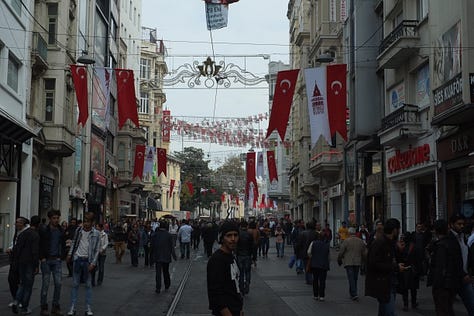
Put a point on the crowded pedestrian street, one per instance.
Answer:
(275, 289)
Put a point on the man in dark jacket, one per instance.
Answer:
(26, 257)
(223, 274)
(382, 268)
(208, 237)
(304, 240)
(52, 251)
(162, 251)
(244, 257)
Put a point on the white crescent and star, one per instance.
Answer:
(285, 81)
(334, 84)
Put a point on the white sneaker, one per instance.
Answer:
(89, 311)
(72, 311)
(12, 303)
(321, 298)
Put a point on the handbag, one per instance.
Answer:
(292, 261)
(308, 266)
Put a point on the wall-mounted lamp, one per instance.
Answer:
(326, 57)
(86, 59)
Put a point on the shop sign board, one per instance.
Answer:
(448, 95)
(456, 146)
(335, 191)
(410, 158)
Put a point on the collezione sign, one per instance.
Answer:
(409, 158)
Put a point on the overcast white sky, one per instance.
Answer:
(180, 22)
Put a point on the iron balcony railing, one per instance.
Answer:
(332, 156)
(408, 113)
(408, 28)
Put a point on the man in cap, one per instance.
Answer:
(223, 274)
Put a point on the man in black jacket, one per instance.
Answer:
(244, 257)
(26, 257)
(223, 274)
(382, 268)
(304, 240)
(52, 251)
(162, 249)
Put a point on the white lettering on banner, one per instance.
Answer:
(216, 16)
(450, 91)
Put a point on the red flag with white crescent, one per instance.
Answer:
(171, 187)
(79, 78)
(272, 170)
(282, 99)
(139, 161)
(162, 161)
(190, 188)
(126, 99)
(166, 125)
(250, 169)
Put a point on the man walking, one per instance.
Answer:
(223, 275)
(51, 252)
(244, 257)
(382, 268)
(104, 242)
(25, 258)
(351, 254)
(184, 237)
(162, 250)
(120, 238)
(84, 252)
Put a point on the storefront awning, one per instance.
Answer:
(14, 129)
(458, 115)
(161, 214)
(153, 205)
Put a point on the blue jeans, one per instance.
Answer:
(280, 249)
(466, 292)
(27, 277)
(245, 267)
(352, 275)
(388, 308)
(81, 267)
(48, 267)
(184, 247)
(100, 268)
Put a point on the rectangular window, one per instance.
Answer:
(121, 156)
(16, 5)
(110, 143)
(144, 103)
(52, 23)
(49, 91)
(112, 106)
(13, 72)
(145, 68)
(422, 10)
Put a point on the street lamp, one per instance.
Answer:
(326, 57)
(86, 59)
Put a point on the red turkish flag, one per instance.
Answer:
(336, 96)
(282, 99)
(171, 187)
(166, 126)
(139, 161)
(162, 160)
(126, 99)
(237, 202)
(250, 168)
(272, 170)
(79, 78)
(190, 188)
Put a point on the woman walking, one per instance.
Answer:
(318, 263)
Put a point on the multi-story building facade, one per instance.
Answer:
(16, 146)
(171, 185)
(278, 191)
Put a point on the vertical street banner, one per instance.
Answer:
(250, 170)
(326, 92)
(166, 126)
(126, 99)
(162, 161)
(260, 164)
(149, 160)
(139, 161)
(190, 188)
(101, 96)
(272, 169)
(216, 15)
(172, 181)
(282, 99)
(79, 78)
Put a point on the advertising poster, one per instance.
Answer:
(397, 96)
(97, 154)
(423, 86)
(447, 55)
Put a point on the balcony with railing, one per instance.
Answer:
(400, 124)
(39, 54)
(399, 45)
(326, 163)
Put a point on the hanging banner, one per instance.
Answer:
(283, 97)
(326, 92)
(216, 16)
(190, 188)
(126, 99)
(260, 164)
(166, 126)
(101, 96)
(149, 160)
(171, 187)
(79, 78)
(162, 161)
(139, 161)
(272, 170)
(250, 170)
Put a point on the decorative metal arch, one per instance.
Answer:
(211, 74)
